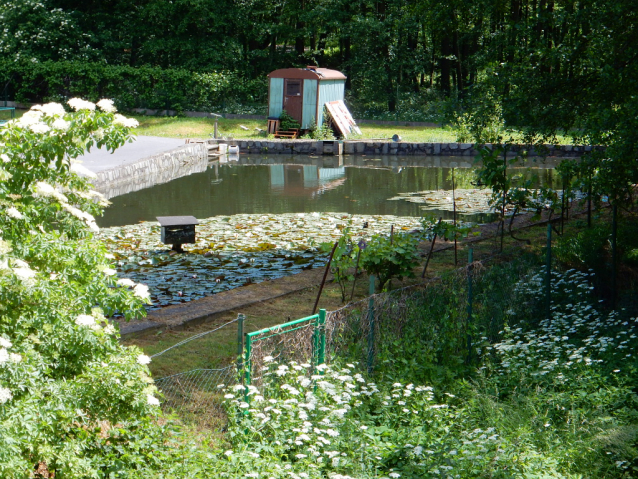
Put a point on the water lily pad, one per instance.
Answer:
(225, 257)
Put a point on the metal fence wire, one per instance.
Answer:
(197, 391)
(449, 315)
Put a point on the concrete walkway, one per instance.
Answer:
(143, 147)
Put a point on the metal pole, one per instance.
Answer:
(240, 344)
(247, 366)
(548, 273)
(322, 336)
(470, 260)
(504, 196)
(589, 203)
(614, 253)
(454, 206)
(325, 275)
(371, 326)
(356, 270)
(427, 261)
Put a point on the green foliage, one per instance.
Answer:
(286, 122)
(323, 132)
(143, 87)
(388, 257)
(65, 381)
(343, 260)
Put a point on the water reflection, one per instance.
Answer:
(284, 184)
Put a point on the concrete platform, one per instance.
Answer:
(143, 147)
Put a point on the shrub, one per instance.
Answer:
(388, 257)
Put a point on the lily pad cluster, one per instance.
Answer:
(233, 251)
(468, 201)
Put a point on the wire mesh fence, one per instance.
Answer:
(197, 392)
(283, 343)
(441, 318)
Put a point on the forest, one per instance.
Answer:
(428, 58)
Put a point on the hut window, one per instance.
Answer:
(293, 88)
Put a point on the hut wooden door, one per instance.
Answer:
(293, 98)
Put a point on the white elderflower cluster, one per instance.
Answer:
(106, 105)
(78, 104)
(50, 109)
(88, 321)
(12, 212)
(121, 120)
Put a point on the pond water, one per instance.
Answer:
(264, 217)
(286, 184)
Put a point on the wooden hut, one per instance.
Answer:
(303, 92)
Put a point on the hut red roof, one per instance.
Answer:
(310, 73)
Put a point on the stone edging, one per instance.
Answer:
(400, 148)
(154, 170)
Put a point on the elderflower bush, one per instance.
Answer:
(65, 381)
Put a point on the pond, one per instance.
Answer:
(264, 217)
(283, 184)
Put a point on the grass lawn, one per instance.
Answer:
(176, 127)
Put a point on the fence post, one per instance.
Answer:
(614, 253)
(247, 366)
(548, 273)
(470, 260)
(371, 325)
(240, 345)
(321, 358)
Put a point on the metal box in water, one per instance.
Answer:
(177, 230)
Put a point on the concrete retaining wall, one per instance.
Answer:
(401, 148)
(154, 170)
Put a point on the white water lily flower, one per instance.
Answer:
(126, 282)
(143, 359)
(5, 395)
(78, 104)
(152, 400)
(109, 271)
(106, 105)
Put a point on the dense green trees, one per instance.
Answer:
(551, 63)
